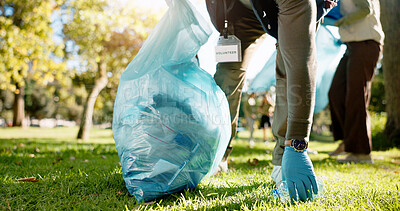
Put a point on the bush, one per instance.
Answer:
(378, 123)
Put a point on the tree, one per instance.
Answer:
(40, 102)
(27, 47)
(390, 16)
(107, 36)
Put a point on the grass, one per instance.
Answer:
(86, 176)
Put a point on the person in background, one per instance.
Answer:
(360, 29)
(266, 109)
(250, 114)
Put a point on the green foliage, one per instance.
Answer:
(106, 36)
(377, 102)
(322, 122)
(58, 100)
(104, 107)
(71, 100)
(6, 104)
(88, 176)
(379, 139)
(26, 43)
(105, 32)
(40, 102)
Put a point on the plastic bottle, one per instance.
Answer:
(282, 193)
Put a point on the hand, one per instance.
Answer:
(298, 172)
(329, 4)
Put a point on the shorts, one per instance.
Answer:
(265, 120)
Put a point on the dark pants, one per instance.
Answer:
(349, 96)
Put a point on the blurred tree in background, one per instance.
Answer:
(40, 101)
(6, 104)
(95, 42)
(106, 36)
(390, 16)
(27, 48)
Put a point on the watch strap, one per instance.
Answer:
(288, 143)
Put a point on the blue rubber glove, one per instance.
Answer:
(298, 172)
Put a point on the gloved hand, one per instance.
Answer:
(298, 172)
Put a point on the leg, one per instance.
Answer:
(267, 128)
(263, 122)
(264, 133)
(363, 57)
(337, 95)
(250, 125)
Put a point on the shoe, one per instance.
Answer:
(312, 152)
(338, 151)
(356, 158)
(222, 167)
(266, 142)
(252, 143)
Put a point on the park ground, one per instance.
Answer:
(66, 174)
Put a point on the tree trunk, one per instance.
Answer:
(19, 107)
(87, 115)
(390, 16)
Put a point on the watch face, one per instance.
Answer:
(299, 145)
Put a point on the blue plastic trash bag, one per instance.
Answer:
(266, 77)
(171, 121)
(329, 52)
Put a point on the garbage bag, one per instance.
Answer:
(266, 77)
(171, 122)
(329, 52)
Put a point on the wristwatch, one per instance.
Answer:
(298, 145)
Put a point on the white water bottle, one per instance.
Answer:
(282, 193)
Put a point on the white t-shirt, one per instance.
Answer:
(369, 28)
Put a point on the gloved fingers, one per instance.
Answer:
(308, 187)
(301, 189)
(314, 184)
(292, 190)
(283, 176)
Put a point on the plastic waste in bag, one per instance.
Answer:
(171, 121)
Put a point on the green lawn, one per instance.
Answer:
(87, 175)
